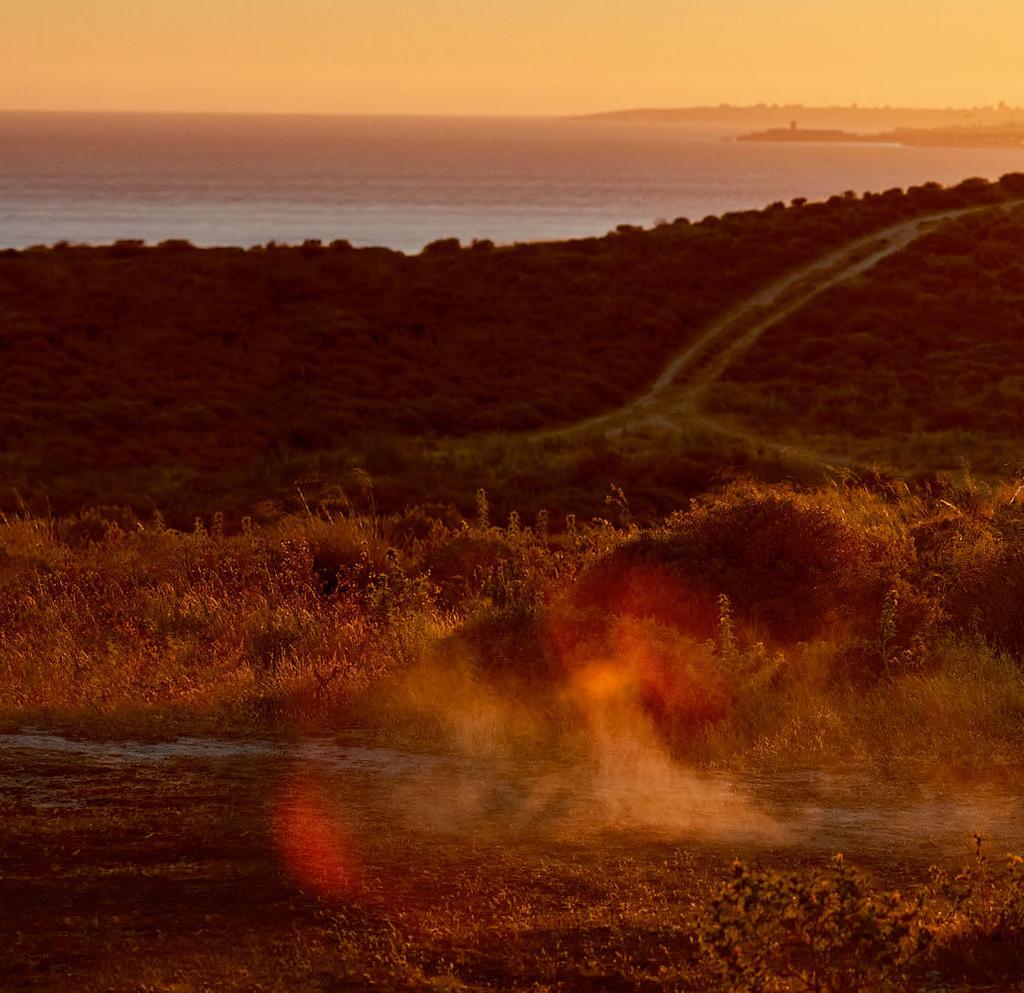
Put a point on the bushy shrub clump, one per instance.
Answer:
(793, 566)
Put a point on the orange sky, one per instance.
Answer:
(504, 56)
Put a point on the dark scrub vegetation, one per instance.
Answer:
(170, 375)
(872, 625)
(929, 342)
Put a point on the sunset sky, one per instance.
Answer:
(504, 56)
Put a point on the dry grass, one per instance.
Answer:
(499, 639)
(762, 625)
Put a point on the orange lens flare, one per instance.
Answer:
(628, 649)
(601, 682)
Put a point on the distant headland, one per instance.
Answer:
(1009, 135)
(781, 116)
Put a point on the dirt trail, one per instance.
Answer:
(339, 865)
(548, 797)
(671, 402)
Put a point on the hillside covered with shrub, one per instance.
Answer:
(928, 343)
(152, 374)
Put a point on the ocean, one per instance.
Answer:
(403, 182)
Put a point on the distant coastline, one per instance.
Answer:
(1004, 135)
(772, 116)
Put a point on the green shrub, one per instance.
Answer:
(823, 932)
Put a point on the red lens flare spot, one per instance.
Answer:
(313, 840)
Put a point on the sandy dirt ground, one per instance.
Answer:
(352, 864)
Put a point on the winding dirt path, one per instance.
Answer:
(671, 402)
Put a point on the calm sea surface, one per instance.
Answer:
(403, 182)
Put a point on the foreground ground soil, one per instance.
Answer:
(255, 872)
(171, 877)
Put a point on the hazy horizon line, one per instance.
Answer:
(633, 109)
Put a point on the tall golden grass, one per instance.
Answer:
(762, 624)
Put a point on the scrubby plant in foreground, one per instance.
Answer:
(832, 931)
(823, 933)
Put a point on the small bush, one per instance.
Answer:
(823, 932)
(443, 246)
